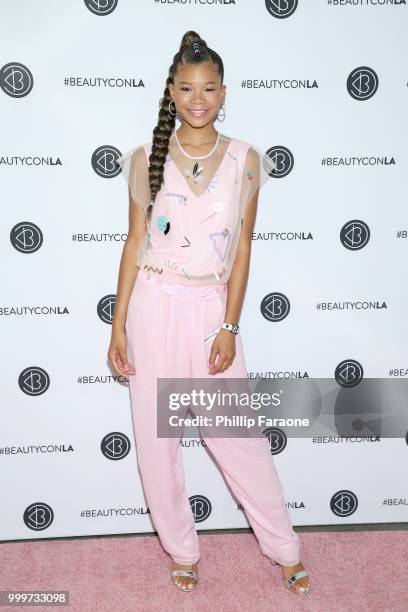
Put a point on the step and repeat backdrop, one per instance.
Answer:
(321, 87)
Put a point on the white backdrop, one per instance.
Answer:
(311, 82)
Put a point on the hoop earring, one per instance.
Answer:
(223, 115)
(169, 109)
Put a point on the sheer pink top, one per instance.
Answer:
(193, 226)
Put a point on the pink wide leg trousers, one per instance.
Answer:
(165, 327)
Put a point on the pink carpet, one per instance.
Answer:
(350, 571)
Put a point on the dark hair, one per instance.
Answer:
(193, 50)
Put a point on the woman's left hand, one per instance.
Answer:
(224, 346)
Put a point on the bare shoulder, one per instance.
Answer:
(252, 153)
(252, 156)
(140, 154)
(252, 159)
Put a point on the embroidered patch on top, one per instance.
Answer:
(217, 276)
(212, 185)
(182, 199)
(170, 265)
(163, 224)
(195, 174)
(221, 242)
(153, 269)
(217, 207)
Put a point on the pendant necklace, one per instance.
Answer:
(196, 173)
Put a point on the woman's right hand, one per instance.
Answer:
(117, 354)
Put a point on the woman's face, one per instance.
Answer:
(197, 93)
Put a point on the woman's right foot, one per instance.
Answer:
(185, 583)
(302, 584)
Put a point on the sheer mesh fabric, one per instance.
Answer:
(193, 227)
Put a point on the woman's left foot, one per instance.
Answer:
(185, 577)
(297, 583)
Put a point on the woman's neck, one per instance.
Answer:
(196, 138)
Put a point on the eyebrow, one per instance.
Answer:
(188, 82)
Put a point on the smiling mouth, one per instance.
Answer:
(197, 111)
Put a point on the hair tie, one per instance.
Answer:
(196, 47)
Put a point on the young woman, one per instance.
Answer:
(192, 205)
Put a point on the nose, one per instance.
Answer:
(197, 96)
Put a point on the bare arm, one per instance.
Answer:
(128, 269)
(224, 343)
(238, 279)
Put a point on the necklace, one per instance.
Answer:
(197, 172)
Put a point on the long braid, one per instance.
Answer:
(160, 142)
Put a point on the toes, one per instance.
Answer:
(305, 582)
(186, 583)
(301, 585)
(297, 586)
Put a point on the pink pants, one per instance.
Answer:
(166, 325)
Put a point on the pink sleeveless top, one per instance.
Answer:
(192, 239)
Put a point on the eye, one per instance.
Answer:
(185, 88)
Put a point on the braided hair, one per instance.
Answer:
(193, 50)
